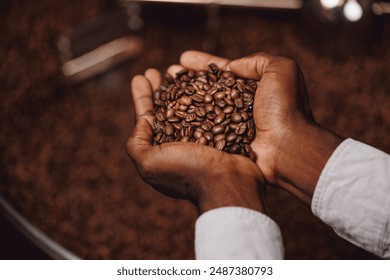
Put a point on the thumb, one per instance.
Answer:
(257, 65)
(140, 139)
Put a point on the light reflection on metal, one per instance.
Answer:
(272, 4)
(381, 8)
(102, 58)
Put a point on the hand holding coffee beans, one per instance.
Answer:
(211, 107)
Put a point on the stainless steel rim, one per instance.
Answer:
(48, 245)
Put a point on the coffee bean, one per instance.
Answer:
(198, 134)
(219, 137)
(170, 113)
(238, 102)
(177, 126)
(220, 103)
(228, 101)
(251, 134)
(200, 111)
(198, 97)
(213, 68)
(208, 98)
(219, 118)
(203, 140)
(220, 144)
(219, 95)
(218, 129)
(181, 114)
(236, 117)
(241, 128)
(210, 107)
(245, 116)
(211, 116)
(209, 136)
(228, 74)
(190, 117)
(173, 119)
(168, 129)
(182, 72)
(231, 137)
(207, 125)
(230, 81)
(228, 110)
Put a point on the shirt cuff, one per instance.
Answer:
(353, 196)
(237, 233)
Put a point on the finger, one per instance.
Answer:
(142, 97)
(154, 77)
(199, 60)
(173, 69)
(253, 66)
(140, 140)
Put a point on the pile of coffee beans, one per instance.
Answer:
(210, 107)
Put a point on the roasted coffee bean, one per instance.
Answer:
(219, 118)
(177, 126)
(182, 72)
(181, 114)
(198, 134)
(213, 68)
(238, 102)
(228, 101)
(251, 134)
(208, 98)
(190, 117)
(245, 116)
(219, 137)
(173, 119)
(230, 81)
(226, 121)
(198, 97)
(228, 109)
(219, 95)
(220, 144)
(235, 149)
(241, 128)
(207, 125)
(170, 113)
(209, 136)
(203, 140)
(185, 100)
(236, 117)
(220, 103)
(231, 137)
(200, 111)
(211, 116)
(160, 117)
(210, 107)
(218, 129)
(228, 74)
(169, 129)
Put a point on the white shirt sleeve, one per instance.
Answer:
(353, 196)
(237, 233)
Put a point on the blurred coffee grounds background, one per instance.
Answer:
(63, 163)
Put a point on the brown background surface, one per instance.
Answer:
(63, 164)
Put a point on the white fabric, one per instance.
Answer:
(237, 233)
(353, 196)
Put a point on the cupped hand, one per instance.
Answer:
(206, 176)
(291, 148)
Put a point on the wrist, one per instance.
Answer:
(233, 187)
(301, 157)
